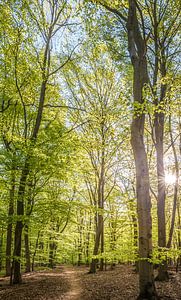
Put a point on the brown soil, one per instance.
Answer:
(74, 283)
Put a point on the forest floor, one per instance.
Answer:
(74, 283)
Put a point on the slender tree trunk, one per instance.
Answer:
(102, 182)
(94, 261)
(178, 213)
(29, 208)
(80, 228)
(79, 262)
(52, 248)
(9, 227)
(27, 249)
(137, 50)
(34, 254)
(159, 134)
(159, 130)
(176, 186)
(88, 241)
(100, 221)
(179, 237)
(19, 224)
(112, 226)
(102, 248)
(1, 250)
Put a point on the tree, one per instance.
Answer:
(137, 52)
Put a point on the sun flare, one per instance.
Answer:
(170, 178)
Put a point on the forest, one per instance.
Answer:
(90, 150)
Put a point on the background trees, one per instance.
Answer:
(96, 91)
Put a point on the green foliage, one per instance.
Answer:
(84, 130)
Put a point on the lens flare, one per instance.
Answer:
(170, 178)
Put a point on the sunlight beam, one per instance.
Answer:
(170, 178)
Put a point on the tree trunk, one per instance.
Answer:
(112, 226)
(137, 50)
(52, 249)
(102, 248)
(100, 221)
(102, 181)
(29, 208)
(159, 134)
(19, 224)
(27, 249)
(9, 227)
(1, 250)
(159, 130)
(88, 241)
(94, 261)
(80, 229)
(34, 254)
(176, 186)
(146, 279)
(179, 238)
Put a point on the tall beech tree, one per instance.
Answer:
(137, 50)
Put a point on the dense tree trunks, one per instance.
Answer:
(9, 227)
(21, 193)
(26, 171)
(137, 50)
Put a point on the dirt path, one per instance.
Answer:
(75, 291)
(74, 283)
